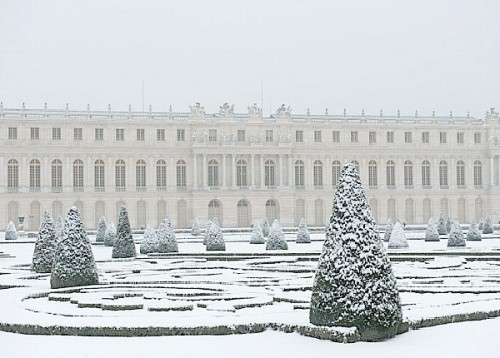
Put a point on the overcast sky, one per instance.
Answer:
(425, 55)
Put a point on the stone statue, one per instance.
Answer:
(225, 110)
(197, 110)
(254, 111)
(283, 111)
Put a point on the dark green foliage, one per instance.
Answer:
(124, 244)
(166, 237)
(45, 246)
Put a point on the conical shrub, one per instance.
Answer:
(45, 246)
(123, 246)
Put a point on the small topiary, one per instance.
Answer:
(110, 235)
(45, 246)
(276, 239)
(265, 227)
(150, 242)
(124, 244)
(257, 236)
(303, 236)
(59, 228)
(195, 228)
(487, 226)
(207, 231)
(441, 226)
(101, 230)
(473, 234)
(388, 229)
(481, 223)
(10, 231)
(456, 237)
(398, 238)
(166, 237)
(215, 241)
(448, 225)
(431, 234)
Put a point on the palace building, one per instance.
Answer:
(241, 167)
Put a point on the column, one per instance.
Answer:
(327, 173)
(173, 173)
(88, 170)
(109, 175)
(280, 170)
(195, 171)
(309, 172)
(492, 178)
(290, 173)
(262, 179)
(252, 173)
(204, 172)
(224, 179)
(233, 171)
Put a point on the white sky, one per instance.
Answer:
(424, 55)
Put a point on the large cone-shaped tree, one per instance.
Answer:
(45, 245)
(74, 263)
(354, 283)
(124, 244)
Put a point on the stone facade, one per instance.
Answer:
(242, 167)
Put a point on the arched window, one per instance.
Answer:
(56, 176)
(215, 210)
(272, 210)
(462, 214)
(99, 175)
(299, 174)
(161, 211)
(13, 211)
(445, 207)
(181, 174)
(141, 214)
(443, 174)
(427, 212)
(478, 174)
(410, 211)
(140, 177)
(213, 173)
(13, 176)
(120, 175)
(374, 207)
(161, 175)
(78, 175)
(479, 208)
(336, 169)
(241, 173)
(372, 174)
(318, 174)
(391, 174)
(426, 174)
(269, 173)
(243, 213)
(181, 214)
(391, 209)
(356, 165)
(99, 211)
(35, 215)
(57, 210)
(461, 174)
(319, 219)
(35, 170)
(408, 174)
(81, 208)
(300, 211)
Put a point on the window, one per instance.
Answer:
(478, 174)
(241, 173)
(35, 133)
(35, 170)
(317, 136)
(99, 175)
(269, 173)
(318, 174)
(336, 168)
(442, 137)
(408, 174)
(354, 136)
(78, 133)
(356, 165)
(12, 133)
(56, 176)
(241, 135)
(460, 137)
(78, 175)
(408, 138)
(372, 174)
(160, 135)
(56, 133)
(181, 174)
(161, 175)
(390, 137)
(443, 174)
(140, 135)
(372, 137)
(12, 175)
(477, 138)
(391, 174)
(212, 135)
(140, 175)
(269, 135)
(181, 135)
(213, 173)
(99, 134)
(461, 174)
(299, 174)
(120, 134)
(425, 137)
(426, 174)
(120, 175)
(299, 136)
(336, 136)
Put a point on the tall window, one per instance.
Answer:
(241, 173)
(78, 133)
(181, 174)
(336, 168)
(140, 134)
(78, 175)
(212, 135)
(213, 173)
(56, 133)
(354, 136)
(272, 210)
(408, 174)
(241, 135)
(443, 174)
(34, 133)
(161, 175)
(391, 174)
(35, 169)
(408, 137)
(477, 137)
(181, 135)
(390, 137)
(442, 137)
(336, 136)
(317, 136)
(215, 210)
(99, 134)
(99, 175)
(269, 136)
(12, 133)
(425, 137)
(56, 176)
(140, 175)
(120, 134)
(426, 174)
(478, 174)
(299, 173)
(243, 213)
(160, 135)
(120, 175)
(372, 174)
(372, 137)
(318, 173)
(12, 175)
(461, 173)
(269, 173)
(299, 136)
(460, 137)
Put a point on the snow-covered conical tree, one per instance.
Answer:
(431, 234)
(388, 229)
(101, 230)
(448, 225)
(303, 236)
(195, 228)
(45, 246)
(354, 284)
(59, 225)
(473, 234)
(74, 263)
(166, 237)
(10, 231)
(487, 227)
(207, 231)
(257, 236)
(398, 238)
(150, 242)
(215, 240)
(276, 239)
(265, 227)
(441, 226)
(110, 235)
(481, 224)
(456, 237)
(123, 246)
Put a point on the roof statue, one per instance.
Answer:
(254, 110)
(197, 110)
(88, 107)
(399, 113)
(363, 112)
(226, 110)
(326, 112)
(284, 111)
(109, 108)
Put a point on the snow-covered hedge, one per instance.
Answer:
(257, 236)
(215, 240)
(110, 235)
(265, 227)
(167, 241)
(473, 234)
(207, 231)
(45, 246)
(432, 234)
(150, 242)
(276, 239)
(388, 229)
(487, 227)
(398, 238)
(123, 246)
(303, 236)
(195, 228)
(456, 237)
(441, 226)
(10, 231)
(101, 230)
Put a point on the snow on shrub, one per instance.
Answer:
(388, 229)
(110, 235)
(59, 226)
(441, 226)
(257, 236)
(101, 230)
(398, 238)
(354, 283)
(215, 240)
(481, 223)
(487, 227)
(207, 231)
(473, 234)
(45, 246)
(150, 242)
(448, 225)
(276, 239)
(195, 228)
(10, 231)
(166, 237)
(265, 227)
(456, 237)
(74, 263)
(303, 236)
(431, 234)
(123, 246)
